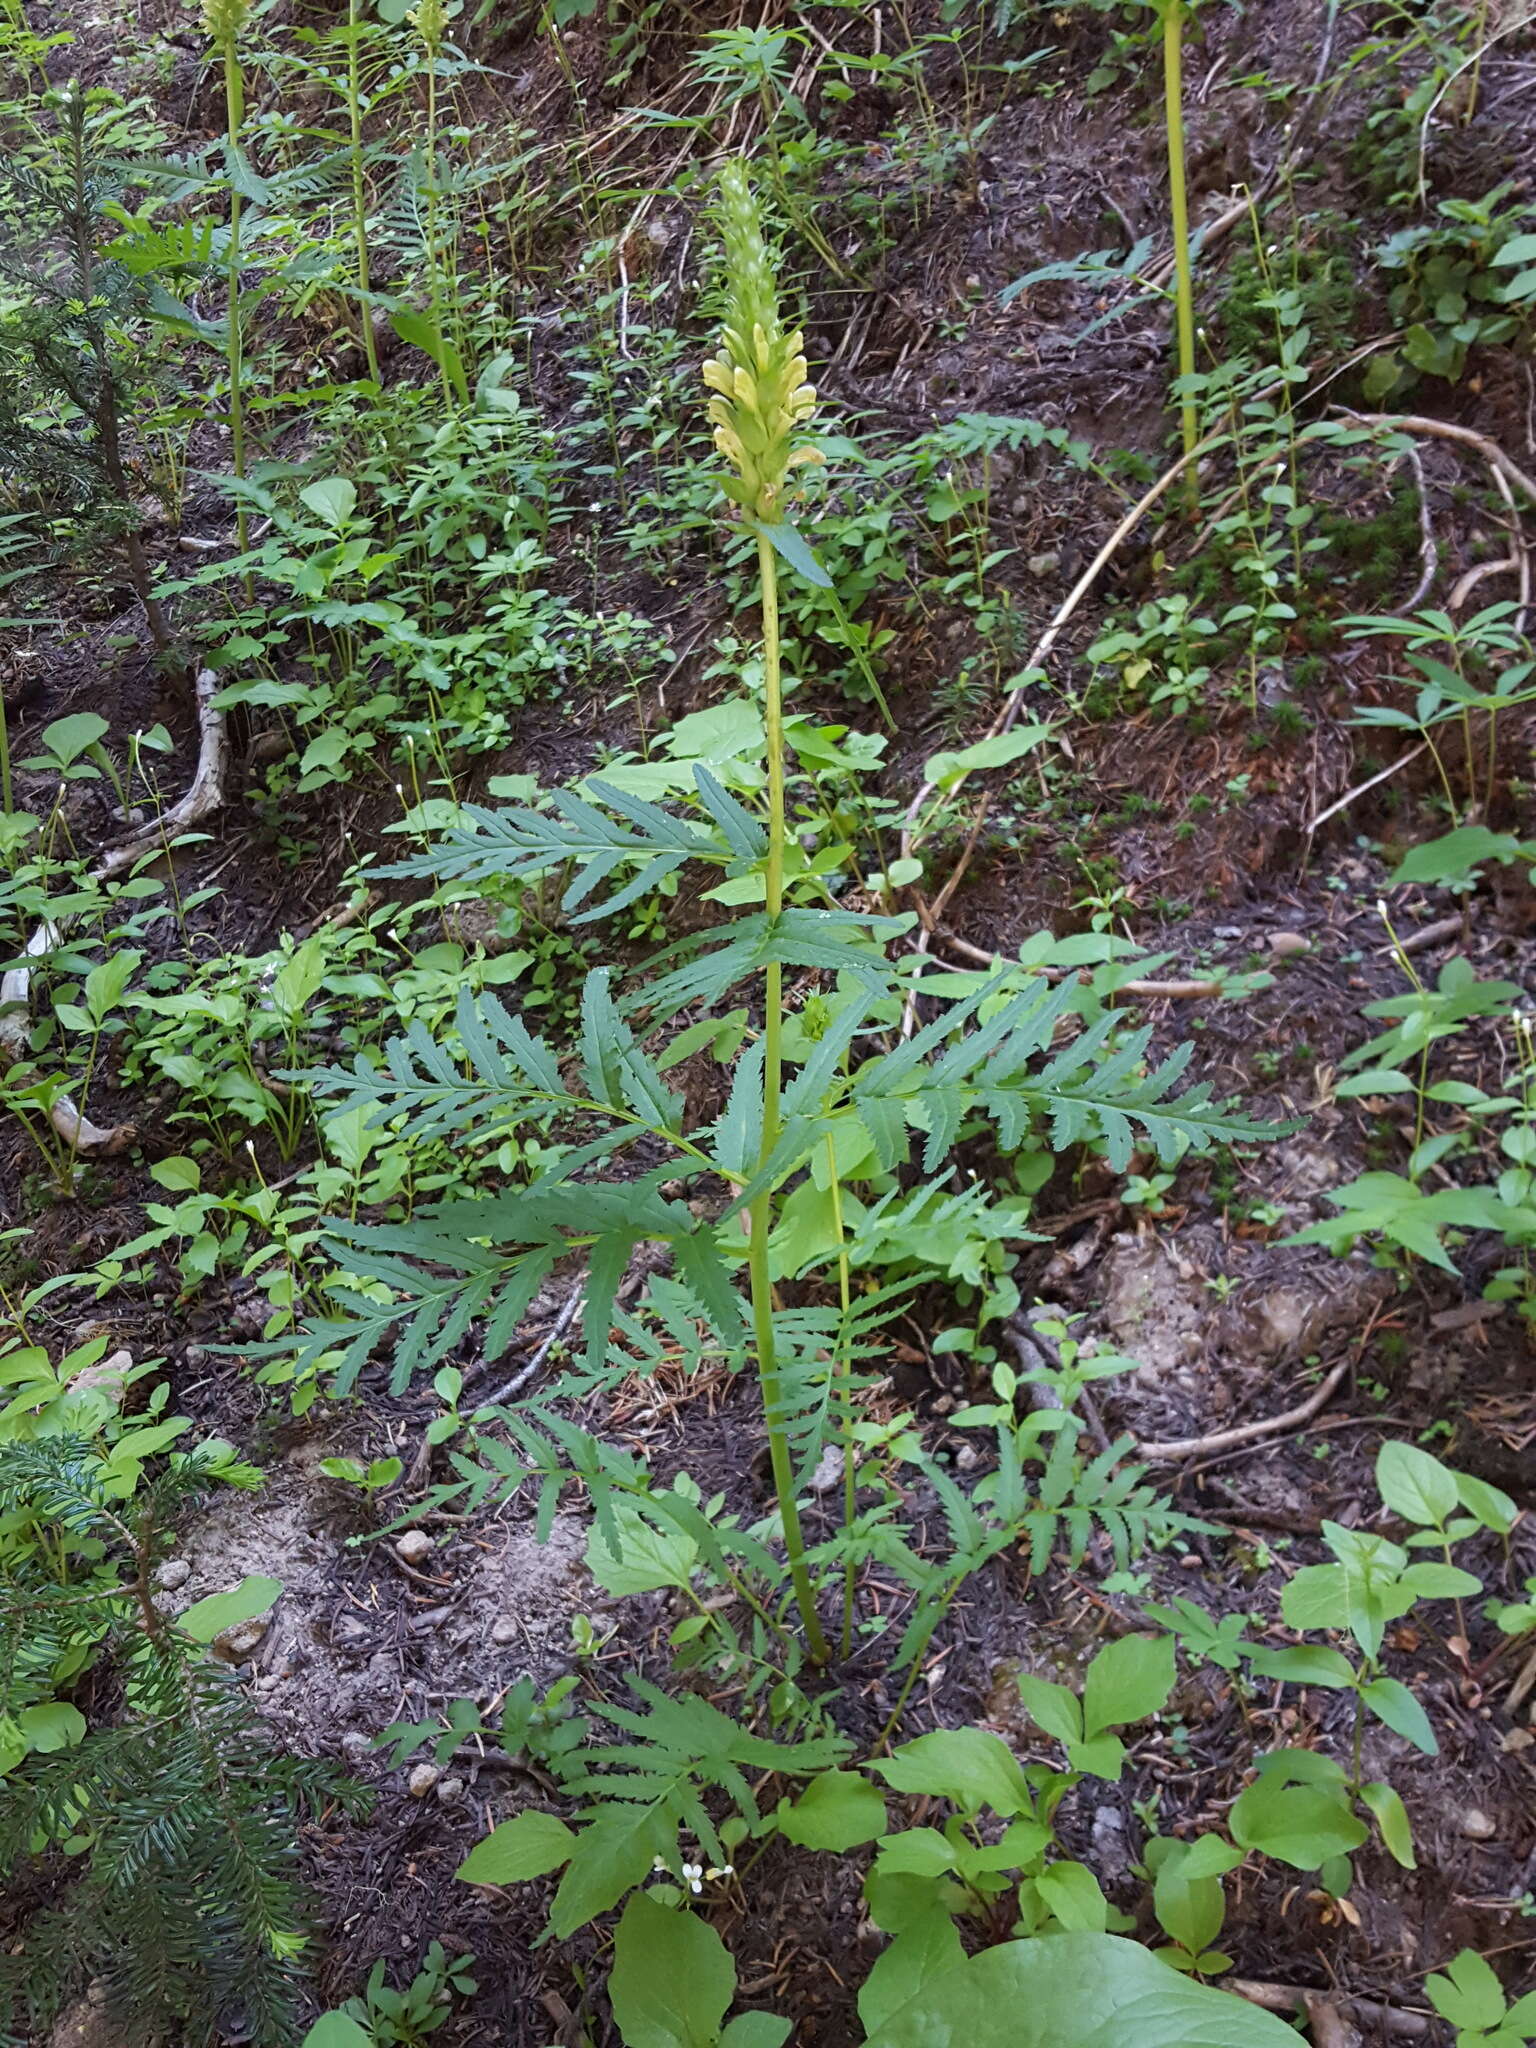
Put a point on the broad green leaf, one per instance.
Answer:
(947, 770)
(50, 1726)
(68, 738)
(1129, 1680)
(528, 1845)
(1456, 855)
(417, 330)
(612, 1855)
(922, 1951)
(331, 499)
(1072, 1893)
(1318, 1597)
(1305, 1664)
(756, 2030)
(1415, 1485)
(649, 1558)
(1074, 1991)
(1302, 1825)
(917, 1852)
(968, 1765)
(796, 550)
(672, 1977)
(836, 1811)
(205, 1619)
(1053, 1708)
(1391, 1701)
(1492, 1507)
(179, 1173)
(336, 2030)
(1392, 1819)
(1439, 1582)
(1469, 1994)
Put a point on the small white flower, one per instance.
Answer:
(658, 1864)
(693, 1877)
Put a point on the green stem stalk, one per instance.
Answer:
(359, 194)
(234, 344)
(843, 1371)
(1178, 205)
(760, 1215)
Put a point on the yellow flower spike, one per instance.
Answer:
(224, 19)
(759, 373)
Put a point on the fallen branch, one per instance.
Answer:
(204, 793)
(1447, 430)
(1247, 1432)
(1126, 988)
(1294, 1998)
(1360, 788)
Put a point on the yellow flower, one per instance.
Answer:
(761, 396)
(224, 19)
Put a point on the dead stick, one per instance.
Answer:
(1246, 1432)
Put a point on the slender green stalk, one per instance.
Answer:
(1178, 206)
(760, 1215)
(359, 193)
(430, 23)
(224, 19)
(760, 400)
(843, 1373)
(7, 804)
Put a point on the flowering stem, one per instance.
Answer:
(760, 1214)
(234, 343)
(1178, 206)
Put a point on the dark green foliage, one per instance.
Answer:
(160, 1844)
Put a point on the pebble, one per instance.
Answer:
(966, 1458)
(356, 1744)
(413, 1546)
(450, 1791)
(422, 1780)
(504, 1632)
(1284, 944)
(237, 1643)
(173, 1573)
(1477, 1826)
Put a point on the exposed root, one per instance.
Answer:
(205, 793)
(1247, 1432)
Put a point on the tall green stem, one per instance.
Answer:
(1178, 205)
(760, 1215)
(359, 193)
(843, 1372)
(234, 344)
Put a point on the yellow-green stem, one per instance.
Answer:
(359, 195)
(843, 1368)
(234, 347)
(1178, 206)
(760, 1215)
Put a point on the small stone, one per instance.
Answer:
(237, 1643)
(173, 1573)
(1046, 564)
(413, 1546)
(829, 1469)
(966, 1458)
(356, 1744)
(450, 1791)
(422, 1780)
(1284, 944)
(1476, 1825)
(504, 1632)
